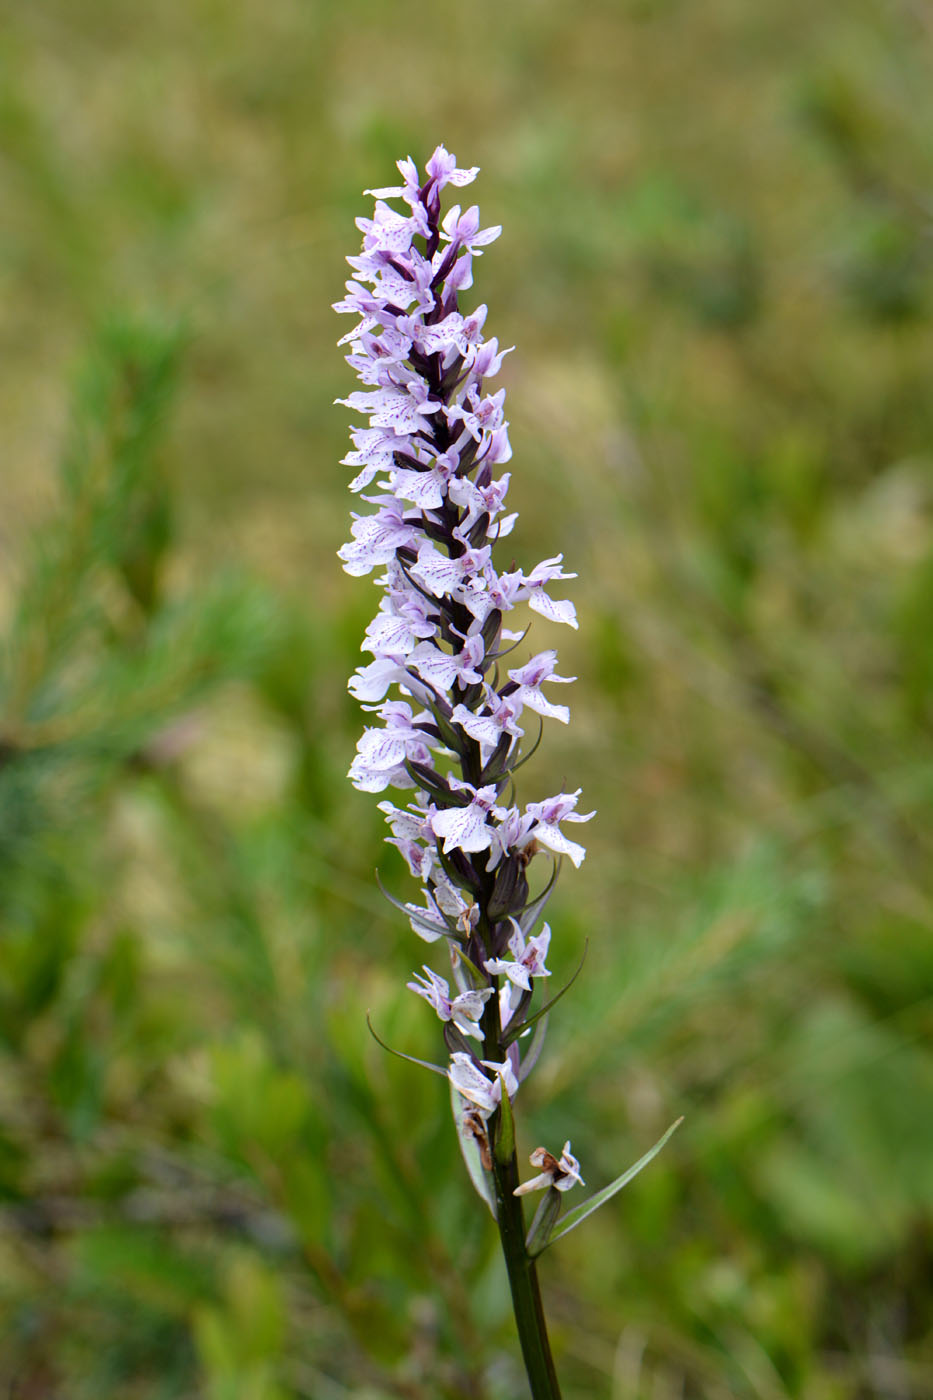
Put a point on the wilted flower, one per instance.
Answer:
(562, 1174)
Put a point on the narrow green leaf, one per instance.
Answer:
(419, 916)
(495, 767)
(520, 763)
(424, 777)
(544, 1221)
(575, 1217)
(532, 1050)
(536, 908)
(512, 1033)
(470, 967)
(399, 1055)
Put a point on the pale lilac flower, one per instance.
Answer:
(442, 168)
(462, 912)
(446, 913)
(382, 753)
(562, 1174)
(470, 1081)
(412, 834)
(386, 231)
(477, 499)
(527, 959)
(488, 729)
(376, 538)
(428, 923)
(548, 816)
(427, 489)
(369, 683)
(513, 833)
(464, 1010)
(441, 575)
(403, 620)
(409, 823)
(531, 676)
(486, 360)
(403, 410)
(441, 668)
(482, 415)
(375, 451)
(466, 828)
(464, 229)
(407, 191)
(527, 962)
(543, 603)
(421, 860)
(504, 591)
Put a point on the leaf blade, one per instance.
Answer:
(400, 1054)
(580, 1213)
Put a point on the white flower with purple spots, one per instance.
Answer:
(548, 816)
(530, 677)
(463, 1010)
(467, 828)
(527, 960)
(525, 964)
(485, 1091)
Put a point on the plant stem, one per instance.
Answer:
(523, 1281)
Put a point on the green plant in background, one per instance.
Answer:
(715, 264)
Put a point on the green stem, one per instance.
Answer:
(523, 1281)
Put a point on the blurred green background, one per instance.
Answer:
(717, 268)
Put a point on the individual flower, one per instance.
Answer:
(467, 1077)
(529, 678)
(382, 753)
(446, 915)
(464, 1010)
(562, 1174)
(466, 828)
(527, 959)
(442, 668)
(548, 816)
(526, 963)
(402, 622)
(488, 728)
(513, 834)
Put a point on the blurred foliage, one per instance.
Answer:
(717, 270)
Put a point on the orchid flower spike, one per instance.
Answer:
(442, 719)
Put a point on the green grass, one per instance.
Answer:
(717, 270)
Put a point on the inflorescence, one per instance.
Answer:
(429, 457)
